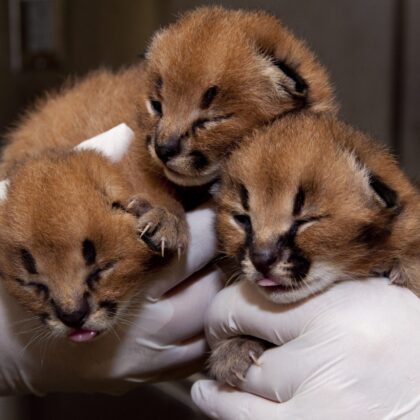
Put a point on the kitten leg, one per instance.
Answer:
(231, 359)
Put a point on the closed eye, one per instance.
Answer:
(306, 221)
(243, 220)
(154, 107)
(95, 275)
(207, 122)
(40, 288)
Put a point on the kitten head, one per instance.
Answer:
(68, 250)
(308, 202)
(215, 75)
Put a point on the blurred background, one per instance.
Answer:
(369, 46)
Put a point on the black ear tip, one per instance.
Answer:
(387, 195)
(301, 87)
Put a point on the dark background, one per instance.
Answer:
(369, 46)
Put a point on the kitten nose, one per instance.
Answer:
(263, 259)
(169, 149)
(74, 319)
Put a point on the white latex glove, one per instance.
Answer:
(352, 352)
(162, 338)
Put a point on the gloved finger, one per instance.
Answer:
(242, 310)
(201, 250)
(222, 402)
(169, 358)
(294, 362)
(179, 315)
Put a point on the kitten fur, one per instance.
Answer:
(72, 257)
(308, 202)
(207, 81)
(215, 75)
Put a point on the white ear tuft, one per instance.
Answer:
(4, 187)
(360, 171)
(113, 143)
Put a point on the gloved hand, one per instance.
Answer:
(159, 339)
(352, 352)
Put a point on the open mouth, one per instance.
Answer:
(82, 335)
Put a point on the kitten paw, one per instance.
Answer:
(231, 359)
(162, 231)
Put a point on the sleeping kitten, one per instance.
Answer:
(69, 250)
(208, 79)
(308, 202)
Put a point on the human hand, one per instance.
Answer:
(157, 340)
(351, 352)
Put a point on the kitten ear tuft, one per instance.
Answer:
(284, 77)
(215, 189)
(113, 144)
(4, 188)
(384, 195)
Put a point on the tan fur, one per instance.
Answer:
(53, 204)
(358, 237)
(233, 50)
(230, 49)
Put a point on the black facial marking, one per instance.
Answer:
(158, 84)
(299, 202)
(300, 84)
(200, 160)
(93, 278)
(44, 317)
(116, 205)
(244, 221)
(208, 97)
(300, 263)
(157, 106)
(110, 306)
(372, 234)
(41, 289)
(28, 261)
(89, 251)
(95, 275)
(148, 140)
(20, 281)
(199, 123)
(243, 194)
(386, 193)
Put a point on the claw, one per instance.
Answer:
(254, 358)
(146, 228)
(240, 376)
(162, 247)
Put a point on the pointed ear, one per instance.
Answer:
(4, 187)
(113, 144)
(286, 79)
(374, 186)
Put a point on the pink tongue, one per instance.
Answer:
(266, 283)
(80, 336)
